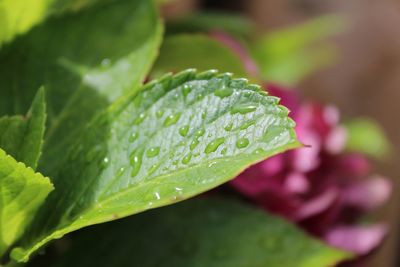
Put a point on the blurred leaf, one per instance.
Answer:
(367, 137)
(22, 137)
(173, 139)
(198, 233)
(19, 16)
(21, 192)
(198, 51)
(211, 20)
(288, 55)
(86, 61)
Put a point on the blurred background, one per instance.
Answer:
(363, 80)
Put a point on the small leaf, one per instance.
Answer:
(22, 137)
(198, 233)
(22, 192)
(198, 51)
(366, 136)
(287, 55)
(138, 155)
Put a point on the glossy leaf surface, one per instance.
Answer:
(173, 139)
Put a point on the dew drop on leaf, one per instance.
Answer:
(172, 119)
(242, 143)
(139, 119)
(213, 146)
(136, 162)
(187, 159)
(159, 113)
(184, 130)
(133, 137)
(243, 109)
(152, 152)
(224, 92)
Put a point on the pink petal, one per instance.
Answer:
(318, 204)
(369, 194)
(307, 158)
(297, 183)
(357, 239)
(336, 140)
(354, 165)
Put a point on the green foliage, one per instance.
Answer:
(180, 52)
(211, 20)
(367, 137)
(22, 192)
(287, 56)
(198, 233)
(176, 138)
(22, 137)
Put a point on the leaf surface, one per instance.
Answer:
(22, 137)
(198, 233)
(88, 60)
(22, 191)
(175, 138)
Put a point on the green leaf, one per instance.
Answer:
(211, 20)
(198, 233)
(83, 66)
(22, 137)
(367, 137)
(22, 192)
(174, 139)
(198, 51)
(288, 55)
(18, 16)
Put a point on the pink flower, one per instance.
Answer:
(320, 187)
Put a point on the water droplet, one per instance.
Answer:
(224, 92)
(200, 96)
(139, 119)
(186, 89)
(199, 132)
(247, 125)
(105, 63)
(184, 130)
(136, 162)
(187, 159)
(158, 197)
(228, 127)
(172, 119)
(242, 143)
(223, 151)
(194, 143)
(204, 115)
(159, 113)
(152, 152)
(175, 162)
(133, 137)
(120, 172)
(211, 147)
(243, 109)
(153, 168)
(259, 151)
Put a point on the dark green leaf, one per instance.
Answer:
(87, 60)
(198, 51)
(22, 137)
(174, 139)
(198, 233)
(22, 192)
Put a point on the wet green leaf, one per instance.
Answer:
(163, 144)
